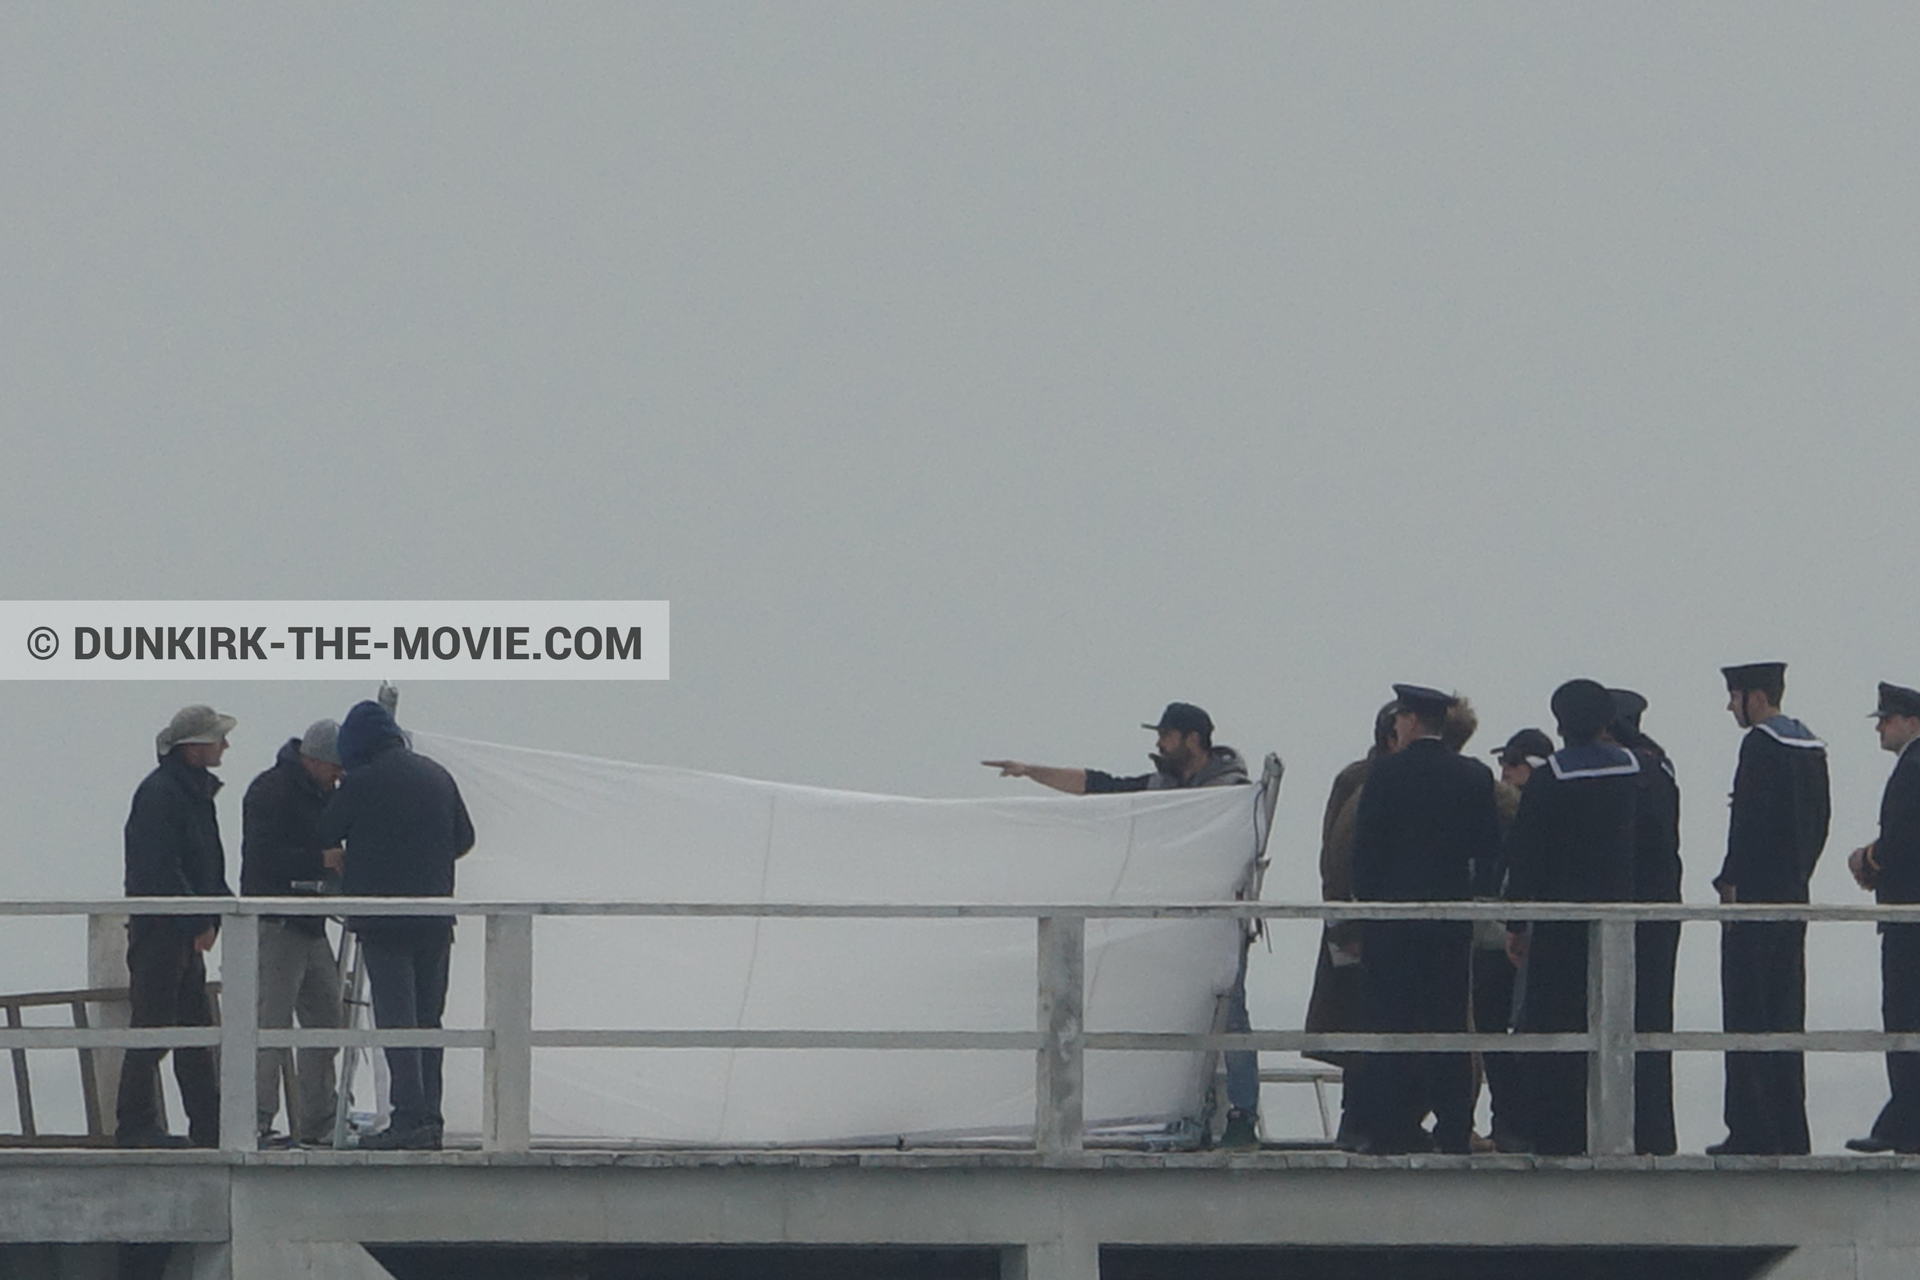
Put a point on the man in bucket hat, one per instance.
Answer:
(173, 850)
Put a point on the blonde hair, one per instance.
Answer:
(1460, 725)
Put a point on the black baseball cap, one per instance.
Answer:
(1183, 717)
(1529, 746)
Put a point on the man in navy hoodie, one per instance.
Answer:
(402, 824)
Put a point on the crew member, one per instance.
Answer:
(1890, 866)
(1572, 841)
(1185, 757)
(1776, 830)
(399, 817)
(1426, 822)
(1334, 1004)
(1656, 943)
(1494, 970)
(173, 850)
(281, 857)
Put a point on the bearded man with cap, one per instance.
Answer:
(282, 856)
(1776, 829)
(1572, 841)
(1425, 829)
(173, 849)
(1890, 866)
(1185, 757)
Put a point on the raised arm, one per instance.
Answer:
(1071, 781)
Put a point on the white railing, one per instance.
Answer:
(1059, 1040)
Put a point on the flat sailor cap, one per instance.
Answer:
(1627, 707)
(1754, 675)
(1582, 708)
(1897, 700)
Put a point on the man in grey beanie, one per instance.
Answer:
(281, 856)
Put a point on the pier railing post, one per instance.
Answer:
(508, 1102)
(1060, 1076)
(239, 1029)
(1610, 1013)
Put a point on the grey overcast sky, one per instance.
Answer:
(974, 379)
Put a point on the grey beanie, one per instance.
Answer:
(321, 742)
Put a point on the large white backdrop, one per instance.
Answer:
(554, 826)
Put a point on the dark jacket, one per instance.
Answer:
(1336, 834)
(1897, 851)
(1224, 768)
(1573, 839)
(1780, 811)
(173, 842)
(401, 818)
(1425, 823)
(280, 834)
(1656, 827)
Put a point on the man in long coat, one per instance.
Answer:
(1426, 823)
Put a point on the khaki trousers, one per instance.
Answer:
(299, 977)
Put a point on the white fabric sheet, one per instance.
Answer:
(554, 826)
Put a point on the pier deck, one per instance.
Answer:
(311, 1213)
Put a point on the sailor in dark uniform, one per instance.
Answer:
(1775, 832)
(1572, 842)
(1656, 943)
(1425, 823)
(1890, 866)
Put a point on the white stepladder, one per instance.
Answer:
(359, 1016)
(1271, 773)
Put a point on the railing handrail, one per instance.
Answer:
(1059, 1041)
(1330, 911)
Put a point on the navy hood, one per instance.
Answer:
(365, 733)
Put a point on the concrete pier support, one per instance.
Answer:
(272, 1215)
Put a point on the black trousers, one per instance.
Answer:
(1656, 947)
(407, 970)
(1899, 1121)
(1554, 1088)
(1763, 987)
(167, 980)
(1414, 978)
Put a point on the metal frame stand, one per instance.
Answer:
(359, 1014)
